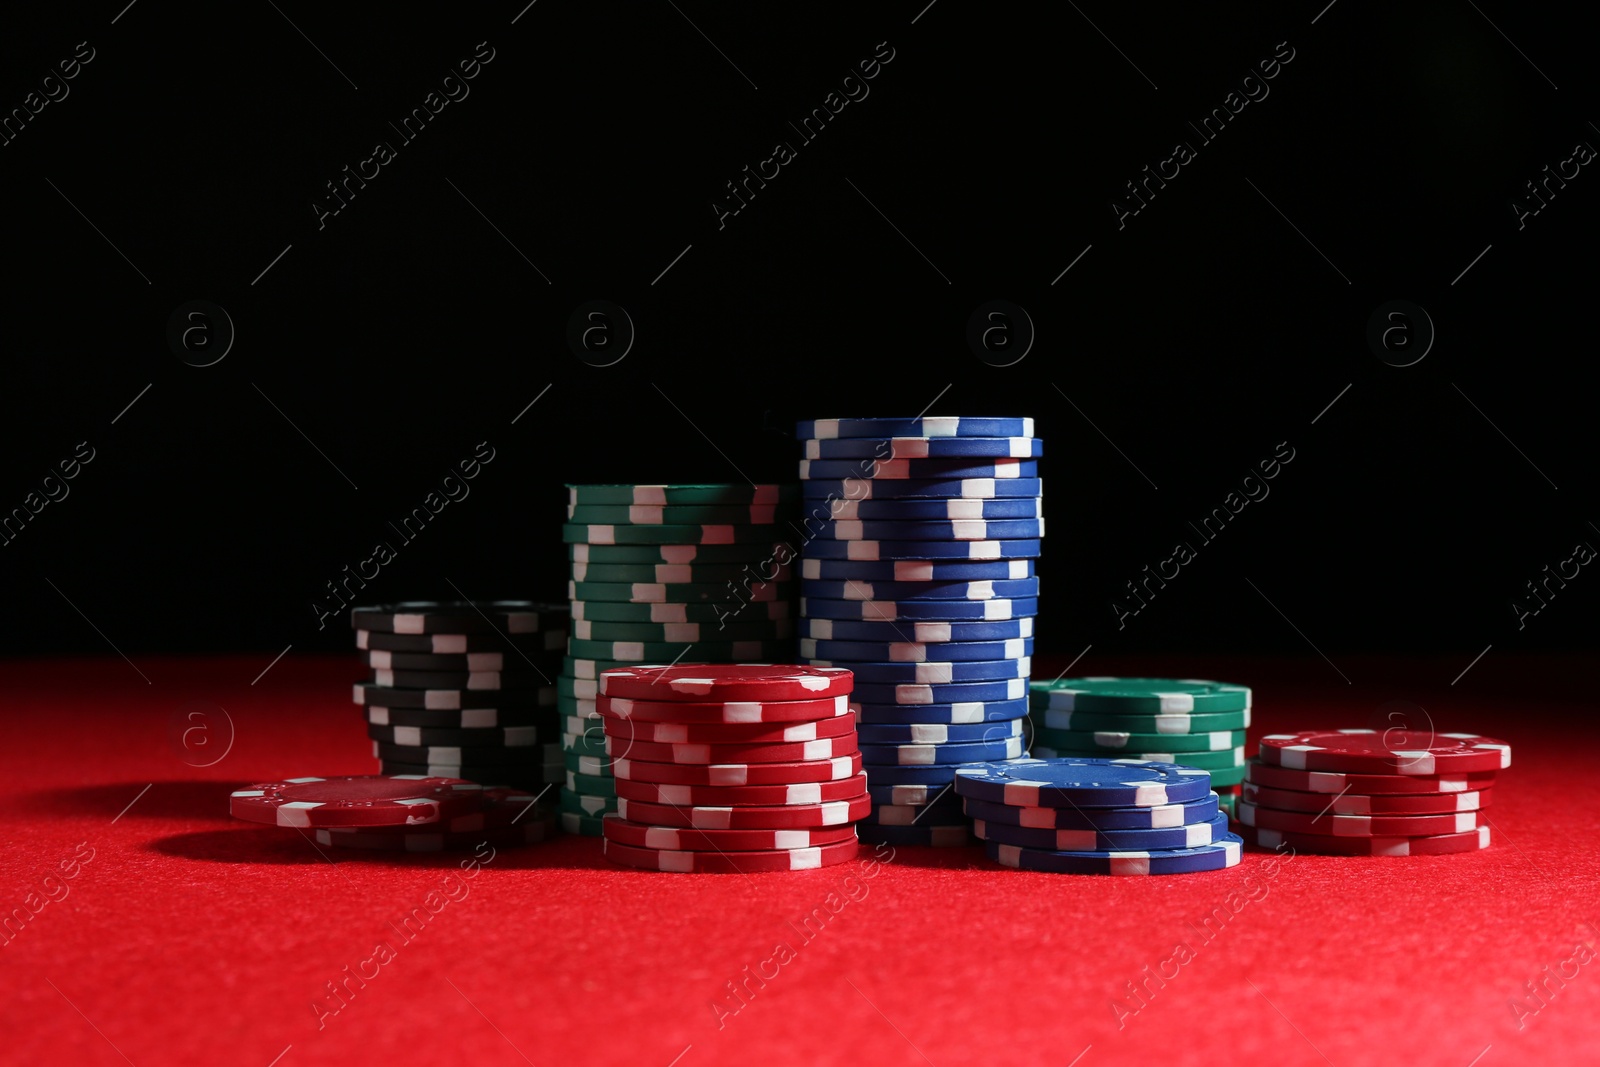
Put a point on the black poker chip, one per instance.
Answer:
(510, 737)
(461, 617)
(370, 695)
(455, 644)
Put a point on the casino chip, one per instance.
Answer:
(1189, 835)
(1082, 782)
(919, 632)
(836, 728)
(738, 774)
(795, 859)
(1016, 649)
(886, 448)
(930, 510)
(679, 839)
(745, 817)
(1406, 752)
(1356, 804)
(936, 488)
(730, 495)
(934, 590)
(919, 469)
(931, 426)
(1018, 548)
(949, 530)
(931, 733)
(1356, 825)
(1432, 845)
(363, 800)
(1140, 696)
(827, 748)
(916, 611)
(728, 682)
(729, 712)
(1223, 853)
(461, 617)
(1076, 818)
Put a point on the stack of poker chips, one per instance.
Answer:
(731, 768)
(1170, 720)
(918, 575)
(1098, 816)
(662, 573)
(1371, 793)
(404, 814)
(463, 689)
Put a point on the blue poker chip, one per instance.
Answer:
(937, 775)
(1190, 835)
(915, 651)
(969, 712)
(930, 509)
(913, 755)
(1087, 782)
(922, 447)
(1213, 857)
(919, 631)
(909, 611)
(1073, 818)
(885, 672)
(876, 696)
(946, 811)
(913, 795)
(956, 836)
(943, 530)
(921, 426)
(920, 488)
(936, 733)
(919, 469)
(1017, 548)
(915, 570)
(895, 592)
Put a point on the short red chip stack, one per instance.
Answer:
(732, 767)
(1371, 793)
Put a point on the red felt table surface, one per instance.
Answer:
(187, 937)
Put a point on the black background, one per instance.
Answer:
(1175, 354)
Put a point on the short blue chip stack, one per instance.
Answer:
(917, 574)
(1098, 816)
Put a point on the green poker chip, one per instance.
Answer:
(678, 573)
(592, 784)
(676, 514)
(584, 744)
(1207, 761)
(1109, 741)
(633, 653)
(574, 533)
(598, 766)
(1176, 723)
(582, 825)
(1140, 696)
(1226, 776)
(728, 594)
(730, 608)
(745, 552)
(740, 494)
(575, 688)
(676, 632)
(583, 804)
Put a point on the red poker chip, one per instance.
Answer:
(679, 839)
(726, 681)
(1302, 822)
(729, 733)
(804, 793)
(822, 749)
(728, 712)
(1366, 804)
(792, 859)
(1434, 845)
(737, 774)
(357, 800)
(1408, 752)
(768, 817)
(527, 832)
(1376, 784)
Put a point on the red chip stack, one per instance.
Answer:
(731, 767)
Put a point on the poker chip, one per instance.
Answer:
(797, 859)
(1433, 845)
(581, 804)
(1141, 696)
(1356, 825)
(673, 514)
(584, 825)
(462, 718)
(657, 651)
(966, 712)
(934, 733)
(728, 711)
(458, 644)
(1091, 818)
(1010, 689)
(680, 839)
(678, 573)
(934, 673)
(528, 832)
(925, 755)
(1210, 761)
(531, 679)
(580, 763)
(1189, 835)
(682, 632)
(926, 836)
(728, 495)
(738, 774)
(742, 552)
(887, 448)
(1211, 741)
(582, 744)
(932, 488)
(918, 611)
(1223, 853)
(932, 510)
(802, 793)
(1404, 752)
(590, 784)
(722, 593)
(1375, 784)
(918, 632)
(835, 727)
(957, 530)
(929, 426)
(502, 737)
(827, 748)
(920, 550)
(713, 612)
(1015, 649)
(939, 774)
(1082, 782)
(765, 683)
(452, 699)
(746, 817)
(1175, 723)
(460, 617)
(361, 800)
(1358, 804)
(919, 469)
(944, 812)
(664, 534)
(470, 662)
(900, 592)
(911, 796)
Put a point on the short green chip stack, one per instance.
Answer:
(665, 574)
(1189, 722)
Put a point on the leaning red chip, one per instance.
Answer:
(357, 800)
(726, 681)
(1408, 752)
(793, 859)
(738, 774)
(681, 839)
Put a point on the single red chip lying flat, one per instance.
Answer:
(1408, 752)
(793, 859)
(679, 839)
(361, 800)
(726, 681)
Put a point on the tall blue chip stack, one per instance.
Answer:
(917, 573)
